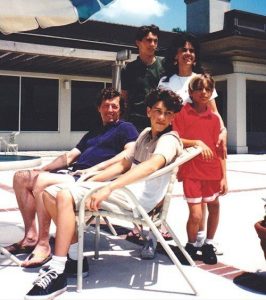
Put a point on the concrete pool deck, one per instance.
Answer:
(120, 274)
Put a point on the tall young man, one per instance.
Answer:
(142, 75)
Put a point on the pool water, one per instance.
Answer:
(13, 162)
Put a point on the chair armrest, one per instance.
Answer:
(186, 155)
(98, 185)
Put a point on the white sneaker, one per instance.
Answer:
(200, 241)
(217, 248)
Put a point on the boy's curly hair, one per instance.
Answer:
(170, 99)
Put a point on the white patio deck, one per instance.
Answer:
(120, 274)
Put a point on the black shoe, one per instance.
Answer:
(208, 254)
(48, 286)
(148, 250)
(192, 251)
(71, 268)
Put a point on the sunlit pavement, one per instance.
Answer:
(120, 274)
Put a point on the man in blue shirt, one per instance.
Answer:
(106, 143)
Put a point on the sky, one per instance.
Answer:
(167, 14)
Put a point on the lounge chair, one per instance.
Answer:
(138, 216)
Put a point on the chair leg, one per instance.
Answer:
(80, 257)
(97, 237)
(172, 256)
(166, 247)
(177, 241)
(110, 226)
(7, 254)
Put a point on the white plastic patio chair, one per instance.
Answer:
(84, 217)
(10, 144)
(1, 141)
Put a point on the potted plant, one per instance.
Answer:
(260, 227)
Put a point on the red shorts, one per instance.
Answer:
(197, 191)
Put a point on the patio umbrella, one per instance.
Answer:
(25, 15)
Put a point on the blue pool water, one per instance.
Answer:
(13, 162)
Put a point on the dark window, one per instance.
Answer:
(256, 106)
(39, 104)
(9, 103)
(84, 115)
(221, 100)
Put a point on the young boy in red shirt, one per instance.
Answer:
(204, 177)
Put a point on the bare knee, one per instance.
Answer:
(64, 200)
(21, 177)
(195, 218)
(195, 213)
(24, 179)
(214, 206)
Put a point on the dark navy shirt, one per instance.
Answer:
(104, 144)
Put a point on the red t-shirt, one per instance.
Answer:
(205, 127)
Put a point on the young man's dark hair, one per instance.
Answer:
(144, 30)
(170, 99)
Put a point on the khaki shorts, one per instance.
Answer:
(118, 202)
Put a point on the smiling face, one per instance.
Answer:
(160, 117)
(110, 110)
(148, 44)
(186, 56)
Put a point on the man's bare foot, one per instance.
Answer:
(39, 256)
(35, 260)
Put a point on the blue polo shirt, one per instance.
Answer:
(104, 144)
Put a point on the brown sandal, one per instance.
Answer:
(16, 248)
(167, 236)
(133, 236)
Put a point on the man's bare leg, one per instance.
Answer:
(42, 249)
(23, 183)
